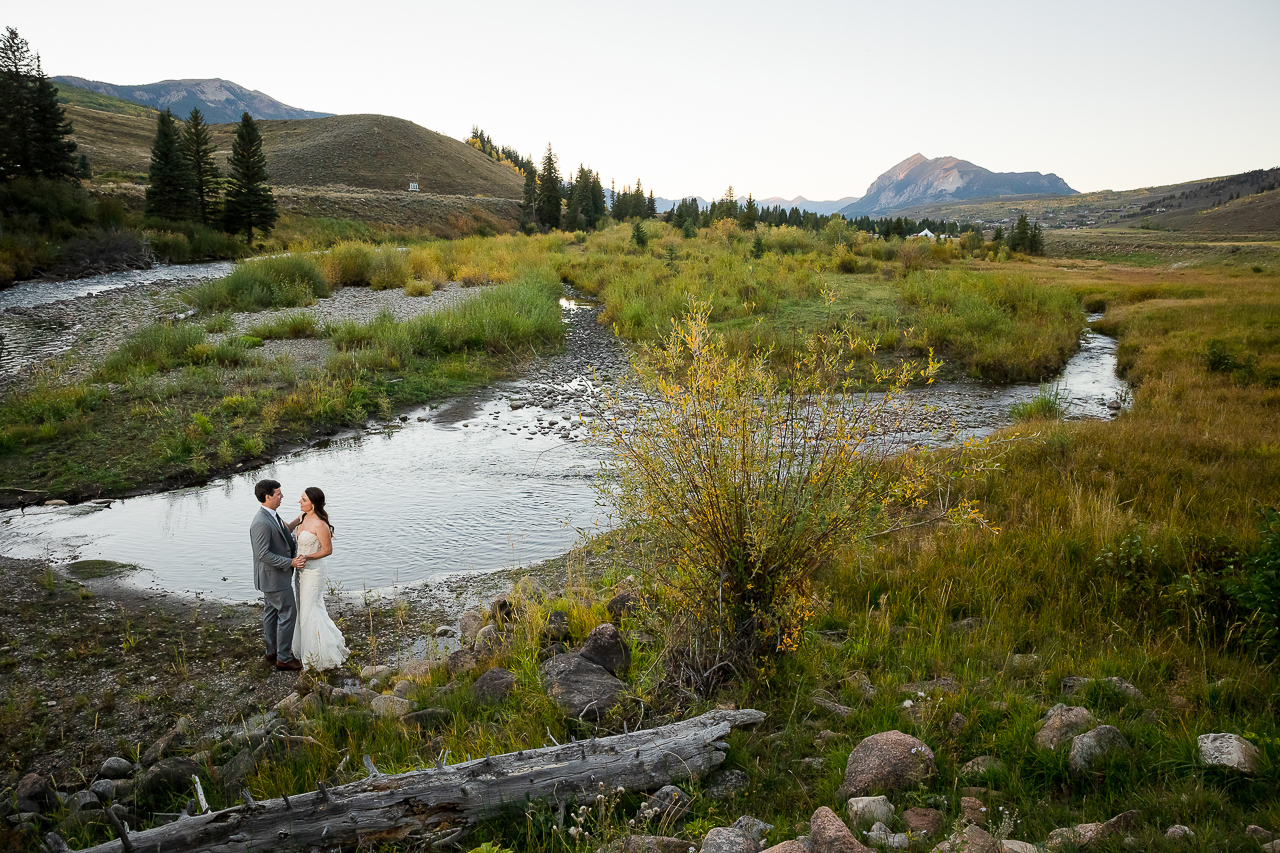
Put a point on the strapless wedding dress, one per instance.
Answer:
(317, 642)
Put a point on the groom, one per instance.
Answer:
(274, 559)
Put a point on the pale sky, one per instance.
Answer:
(775, 99)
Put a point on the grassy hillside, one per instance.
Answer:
(363, 151)
(74, 95)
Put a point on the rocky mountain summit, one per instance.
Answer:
(920, 180)
(219, 100)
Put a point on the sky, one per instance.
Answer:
(774, 99)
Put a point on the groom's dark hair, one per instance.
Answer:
(265, 489)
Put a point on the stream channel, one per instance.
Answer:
(498, 479)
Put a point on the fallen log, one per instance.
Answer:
(440, 804)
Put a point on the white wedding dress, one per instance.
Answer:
(317, 642)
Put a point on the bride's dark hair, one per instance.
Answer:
(317, 504)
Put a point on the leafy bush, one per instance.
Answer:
(153, 348)
(349, 263)
(390, 269)
(1256, 588)
(419, 287)
(752, 488)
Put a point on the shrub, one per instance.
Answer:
(1047, 404)
(287, 327)
(1256, 589)
(418, 287)
(390, 269)
(168, 246)
(752, 489)
(154, 348)
(349, 263)
(284, 281)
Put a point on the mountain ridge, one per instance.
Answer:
(219, 100)
(920, 180)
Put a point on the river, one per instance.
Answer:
(498, 479)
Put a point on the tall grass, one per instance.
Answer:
(283, 281)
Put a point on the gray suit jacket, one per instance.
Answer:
(273, 553)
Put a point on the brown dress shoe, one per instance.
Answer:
(294, 664)
(269, 658)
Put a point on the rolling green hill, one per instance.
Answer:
(74, 95)
(361, 151)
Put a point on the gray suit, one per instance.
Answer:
(273, 553)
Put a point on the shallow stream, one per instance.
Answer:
(485, 482)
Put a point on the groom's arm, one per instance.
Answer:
(260, 536)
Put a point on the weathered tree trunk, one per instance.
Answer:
(441, 802)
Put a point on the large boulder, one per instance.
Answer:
(1230, 751)
(469, 625)
(828, 834)
(557, 630)
(972, 840)
(581, 688)
(116, 767)
(390, 706)
(886, 762)
(605, 646)
(35, 793)
(1092, 745)
(1061, 724)
(494, 686)
(922, 821)
(1085, 835)
(620, 605)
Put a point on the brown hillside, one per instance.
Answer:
(374, 152)
(365, 151)
(1250, 215)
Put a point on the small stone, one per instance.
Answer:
(1257, 833)
(469, 625)
(1178, 832)
(494, 685)
(429, 718)
(1092, 745)
(982, 764)
(620, 606)
(824, 736)
(165, 778)
(881, 836)
(310, 705)
(813, 762)
(957, 723)
(1073, 684)
(489, 640)
(84, 800)
(502, 609)
(945, 684)
(1271, 847)
(726, 784)
(104, 789)
(862, 810)
(754, 827)
(921, 821)
(370, 672)
(1230, 751)
(966, 626)
(1061, 724)
(460, 663)
(445, 631)
(116, 768)
(724, 839)
(557, 630)
(605, 646)
(667, 806)
(973, 810)
(828, 834)
(390, 706)
(646, 844)
(582, 689)
(403, 689)
(34, 793)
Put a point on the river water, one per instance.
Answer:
(494, 480)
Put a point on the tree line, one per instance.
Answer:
(35, 135)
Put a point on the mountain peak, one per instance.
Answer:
(920, 180)
(217, 99)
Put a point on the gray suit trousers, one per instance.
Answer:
(278, 616)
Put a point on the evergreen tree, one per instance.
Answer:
(998, 236)
(750, 214)
(528, 203)
(171, 191)
(35, 136)
(197, 144)
(250, 205)
(1020, 239)
(598, 208)
(651, 207)
(547, 203)
(1035, 243)
(757, 248)
(639, 235)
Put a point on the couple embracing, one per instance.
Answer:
(297, 631)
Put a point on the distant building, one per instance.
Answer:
(925, 233)
(413, 186)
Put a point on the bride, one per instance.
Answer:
(317, 642)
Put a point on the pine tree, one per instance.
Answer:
(197, 144)
(639, 235)
(171, 191)
(757, 248)
(35, 136)
(547, 204)
(750, 214)
(529, 201)
(1020, 239)
(651, 206)
(250, 204)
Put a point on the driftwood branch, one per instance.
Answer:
(440, 803)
